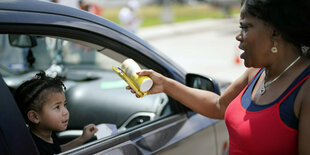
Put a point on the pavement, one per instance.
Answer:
(168, 30)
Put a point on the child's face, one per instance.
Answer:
(54, 115)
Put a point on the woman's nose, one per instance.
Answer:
(239, 37)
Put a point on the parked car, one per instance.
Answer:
(81, 48)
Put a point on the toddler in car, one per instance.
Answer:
(43, 105)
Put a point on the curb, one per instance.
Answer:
(174, 29)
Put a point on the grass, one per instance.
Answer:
(152, 15)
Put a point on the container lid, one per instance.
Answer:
(146, 85)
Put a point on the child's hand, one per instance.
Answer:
(88, 131)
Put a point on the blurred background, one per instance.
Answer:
(199, 35)
(155, 12)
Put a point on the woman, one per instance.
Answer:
(266, 110)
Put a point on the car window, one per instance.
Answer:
(95, 93)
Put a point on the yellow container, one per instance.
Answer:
(128, 72)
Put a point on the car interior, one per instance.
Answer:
(95, 93)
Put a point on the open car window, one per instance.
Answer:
(95, 93)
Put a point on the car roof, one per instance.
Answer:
(50, 8)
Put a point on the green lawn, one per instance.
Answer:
(152, 15)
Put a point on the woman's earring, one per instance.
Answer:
(274, 49)
(305, 50)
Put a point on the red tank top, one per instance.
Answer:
(260, 132)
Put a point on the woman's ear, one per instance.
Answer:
(275, 33)
(33, 116)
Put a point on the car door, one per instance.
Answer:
(153, 124)
(145, 125)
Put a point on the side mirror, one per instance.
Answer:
(202, 82)
(22, 41)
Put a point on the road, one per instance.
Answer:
(206, 47)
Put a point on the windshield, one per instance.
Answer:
(44, 53)
(12, 59)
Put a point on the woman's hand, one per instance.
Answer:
(158, 82)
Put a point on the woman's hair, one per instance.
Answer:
(32, 94)
(290, 18)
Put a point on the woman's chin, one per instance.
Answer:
(246, 64)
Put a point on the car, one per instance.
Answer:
(81, 48)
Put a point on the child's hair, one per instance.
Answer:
(31, 94)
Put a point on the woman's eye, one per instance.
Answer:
(243, 27)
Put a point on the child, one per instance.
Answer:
(43, 105)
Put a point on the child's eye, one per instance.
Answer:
(57, 107)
